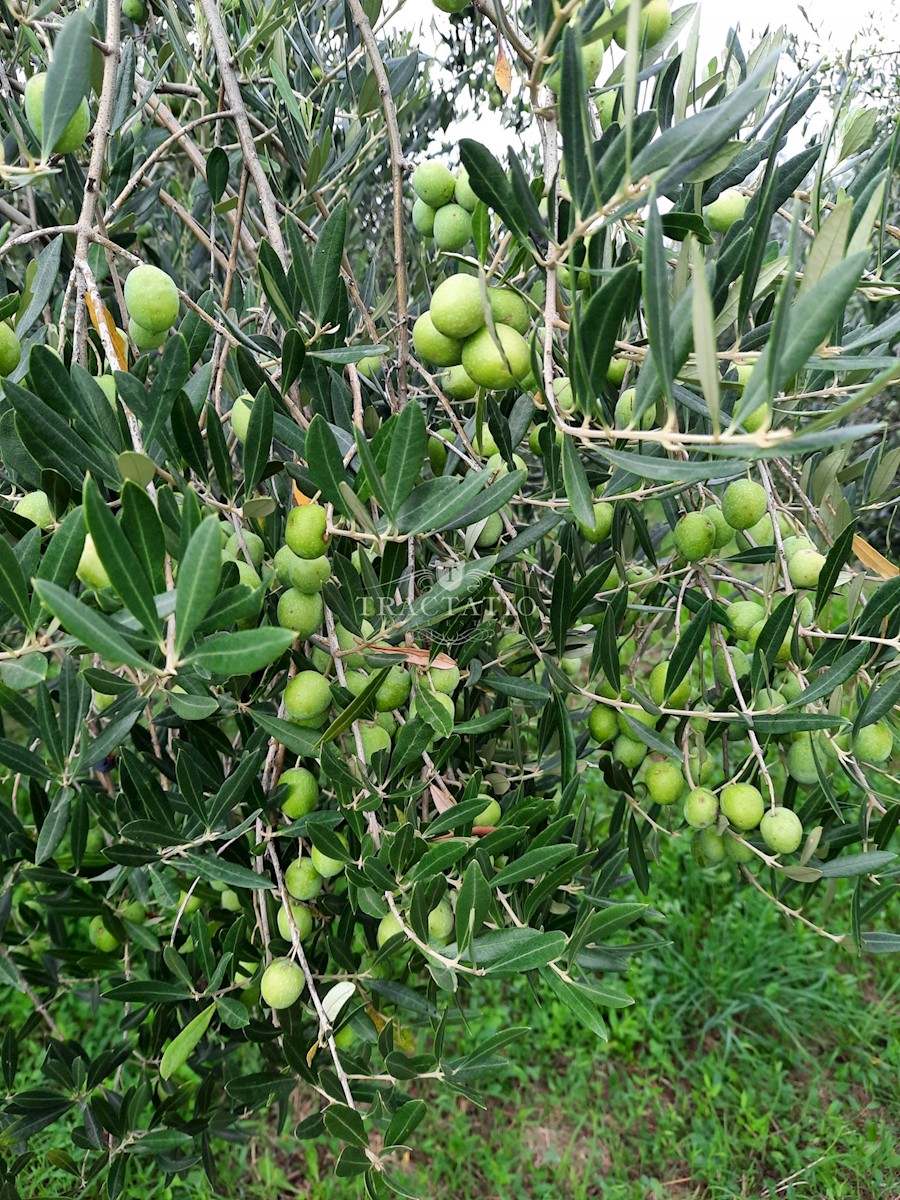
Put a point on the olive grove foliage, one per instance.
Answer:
(261, 156)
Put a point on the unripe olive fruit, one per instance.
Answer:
(445, 702)
(805, 567)
(484, 442)
(781, 830)
(515, 654)
(444, 679)
(603, 519)
(491, 532)
(452, 227)
(35, 507)
(72, 137)
(394, 690)
(489, 815)
(462, 191)
(695, 536)
(306, 695)
(300, 612)
(726, 210)
(189, 902)
(458, 386)
(709, 847)
(423, 218)
(302, 794)
(152, 298)
(440, 923)
(783, 653)
(508, 308)
(302, 919)
(281, 983)
(736, 849)
(144, 339)
(635, 714)
(656, 17)
(101, 937)
(135, 10)
(616, 371)
(10, 350)
(302, 879)
(240, 416)
(701, 808)
(327, 866)
(603, 723)
(624, 411)
(133, 910)
(456, 308)
(306, 530)
(375, 740)
(744, 503)
(496, 366)
(433, 347)
(254, 544)
(90, 569)
(760, 534)
(792, 545)
(740, 664)
(743, 615)
(801, 762)
(664, 781)
(657, 685)
(724, 532)
(308, 575)
(742, 804)
(628, 752)
(433, 183)
(388, 927)
(874, 743)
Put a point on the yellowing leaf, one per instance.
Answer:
(117, 340)
(876, 562)
(503, 72)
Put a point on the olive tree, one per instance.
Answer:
(398, 560)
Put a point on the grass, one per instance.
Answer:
(759, 1061)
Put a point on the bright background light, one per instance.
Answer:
(825, 25)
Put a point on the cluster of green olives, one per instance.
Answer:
(443, 206)
(454, 333)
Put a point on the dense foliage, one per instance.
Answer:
(354, 507)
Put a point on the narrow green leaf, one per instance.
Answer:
(68, 79)
(849, 865)
(580, 1001)
(514, 951)
(406, 1119)
(656, 300)
(407, 451)
(241, 653)
(181, 1047)
(686, 648)
(299, 741)
(125, 569)
(345, 1123)
(326, 466)
(259, 440)
(578, 491)
(13, 587)
(473, 904)
(197, 584)
(88, 626)
(357, 706)
(326, 260)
